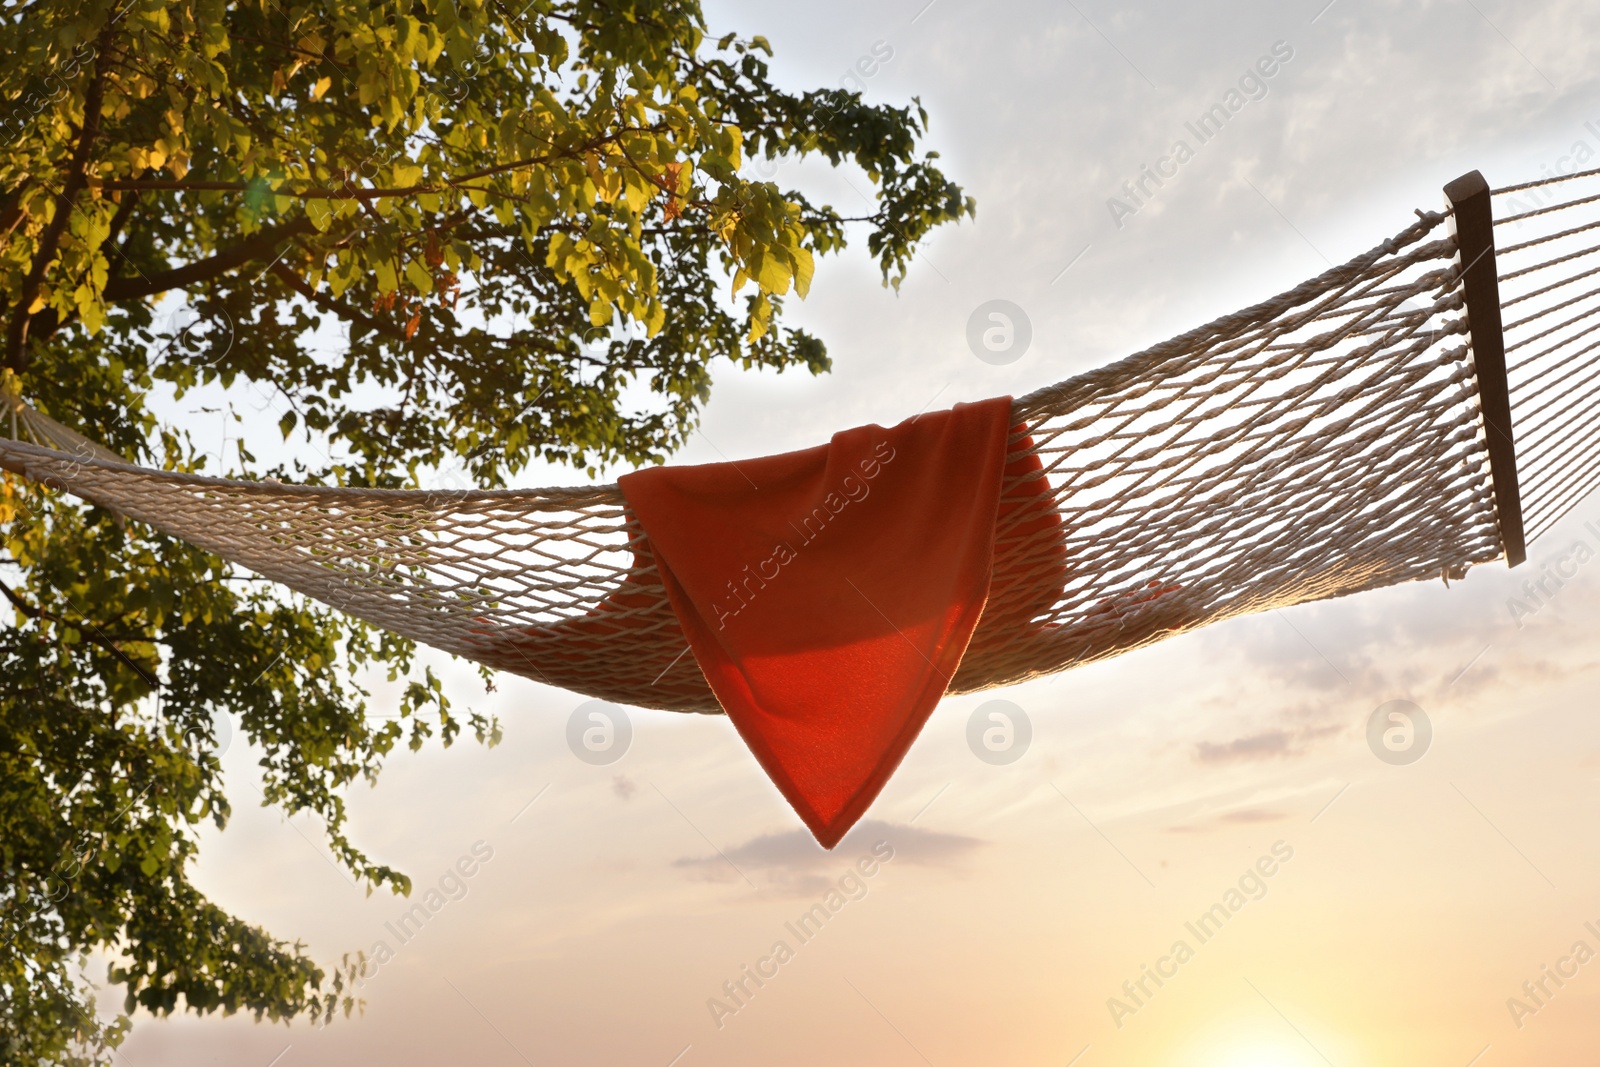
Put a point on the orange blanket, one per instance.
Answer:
(828, 595)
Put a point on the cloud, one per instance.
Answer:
(1265, 745)
(1252, 815)
(1238, 817)
(1269, 744)
(791, 861)
(1420, 640)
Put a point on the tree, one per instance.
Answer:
(514, 213)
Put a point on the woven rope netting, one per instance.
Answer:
(1321, 443)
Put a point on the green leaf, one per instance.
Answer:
(418, 276)
(320, 214)
(773, 273)
(384, 271)
(804, 266)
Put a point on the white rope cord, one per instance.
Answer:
(1551, 287)
(1549, 264)
(1524, 341)
(1320, 443)
(1537, 315)
(1574, 363)
(1551, 343)
(1541, 182)
(1559, 235)
(1545, 210)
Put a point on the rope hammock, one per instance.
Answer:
(1352, 433)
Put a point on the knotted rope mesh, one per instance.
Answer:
(1324, 442)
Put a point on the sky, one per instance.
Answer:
(1388, 913)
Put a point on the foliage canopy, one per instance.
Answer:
(515, 220)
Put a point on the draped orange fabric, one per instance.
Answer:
(829, 594)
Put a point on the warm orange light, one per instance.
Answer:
(1270, 1054)
(1256, 1050)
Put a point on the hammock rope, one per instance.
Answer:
(1321, 443)
(1545, 259)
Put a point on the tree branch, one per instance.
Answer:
(120, 219)
(352, 192)
(76, 180)
(262, 245)
(93, 632)
(12, 214)
(334, 307)
(320, 57)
